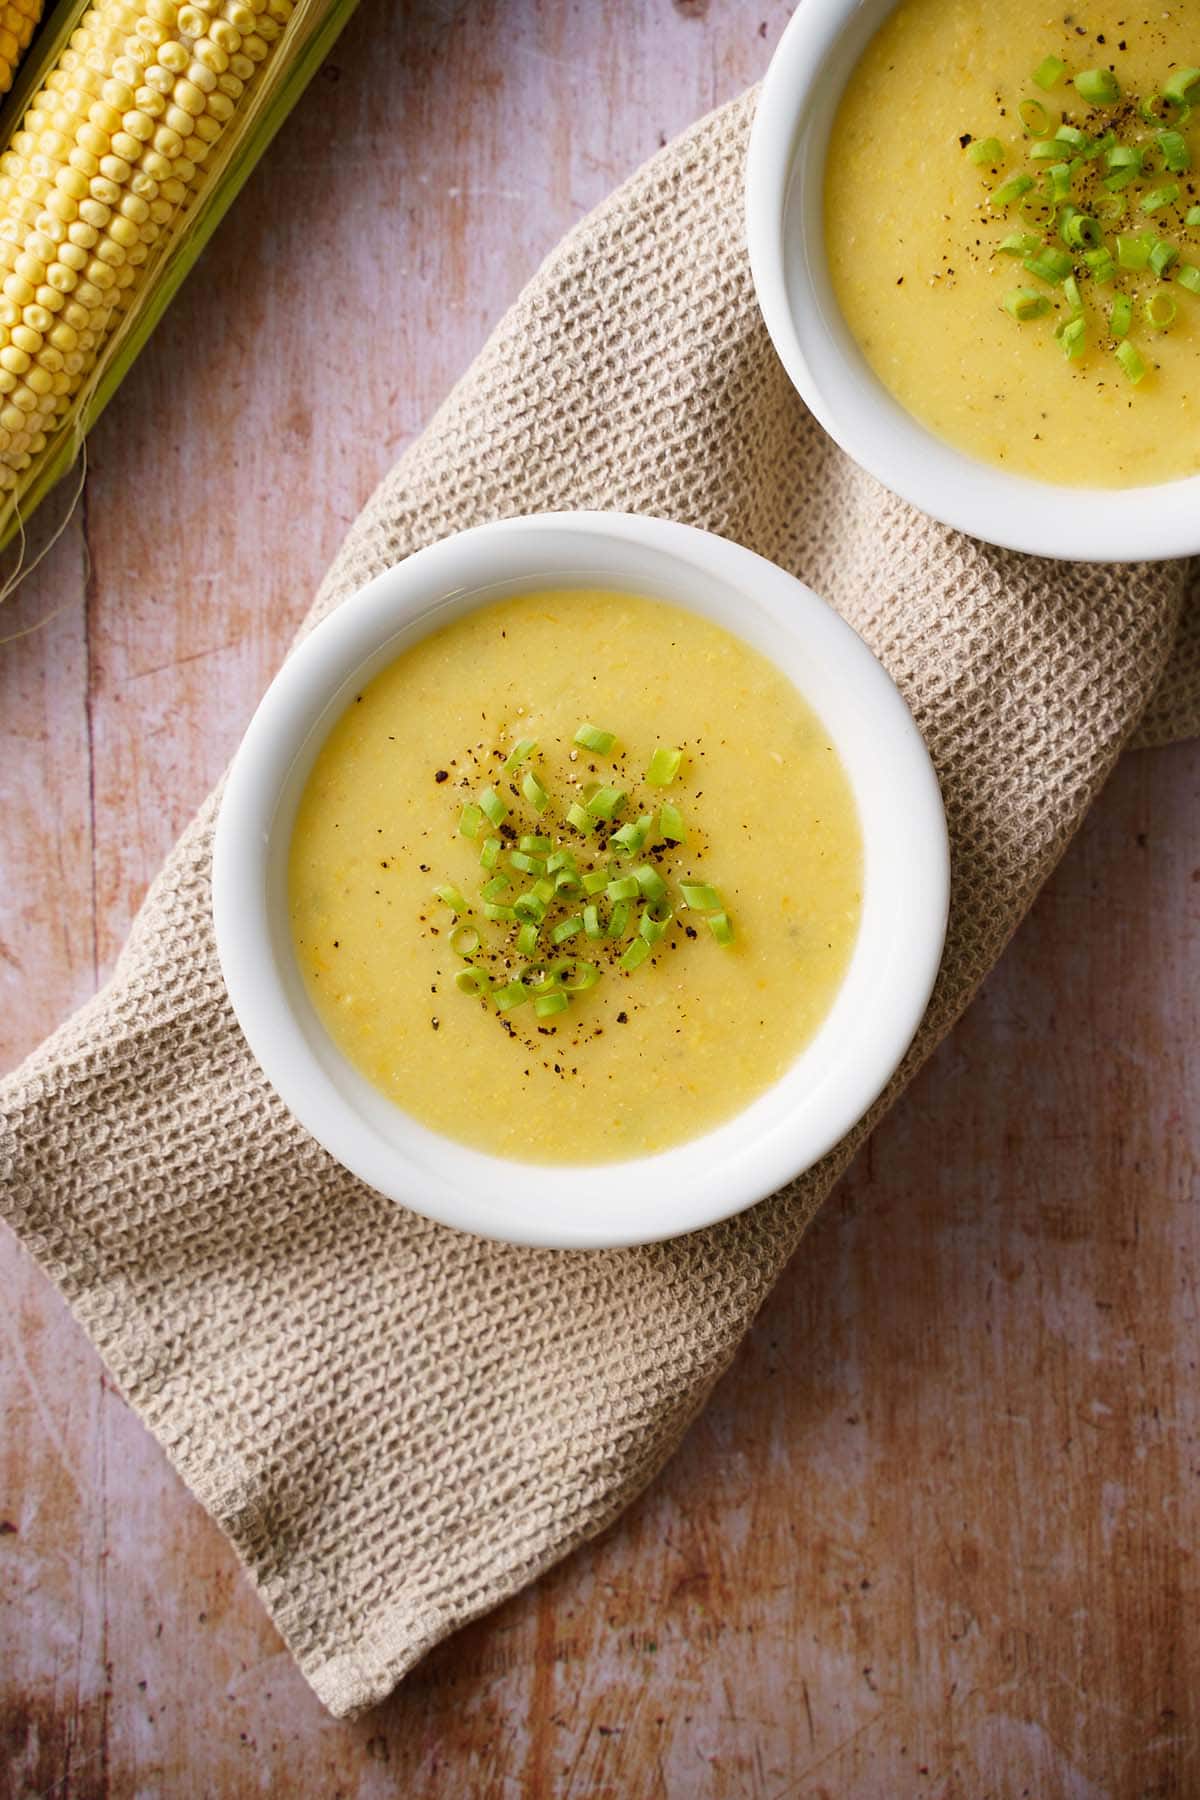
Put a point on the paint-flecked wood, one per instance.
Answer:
(936, 1533)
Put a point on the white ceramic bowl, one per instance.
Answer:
(837, 1076)
(784, 220)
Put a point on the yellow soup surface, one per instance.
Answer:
(646, 1057)
(914, 233)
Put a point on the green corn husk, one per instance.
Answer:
(303, 43)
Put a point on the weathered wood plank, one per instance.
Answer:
(935, 1533)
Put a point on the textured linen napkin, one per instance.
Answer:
(396, 1424)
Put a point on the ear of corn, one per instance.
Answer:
(17, 21)
(140, 123)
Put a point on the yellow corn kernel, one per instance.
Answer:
(17, 21)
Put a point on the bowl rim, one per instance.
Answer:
(1097, 525)
(683, 1188)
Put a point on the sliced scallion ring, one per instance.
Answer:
(721, 928)
(1160, 310)
(1049, 72)
(699, 897)
(986, 150)
(635, 954)
(464, 940)
(1099, 87)
(590, 737)
(1130, 361)
(472, 981)
(521, 751)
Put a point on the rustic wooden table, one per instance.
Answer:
(936, 1533)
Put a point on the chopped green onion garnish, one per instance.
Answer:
(493, 806)
(1046, 150)
(535, 845)
(527, 939)
(1189, 278)
(1175, 152)
(595, 881)
(591, 922)
(1033, 116)
(1121, 316)
(1011, 190)
(1049, 72)
(1081, 232)
(1101, 265)
(1124, 156)
(699, 896)
(1049, 265)
(670, 824)
(1133, 252)
(1059, 177)
(721, 928)
(1036, 212)
(575, 977)
(1072, 295)
(489, 852)
(530, 908)
(606, 802)
(1130, 361)
(1076, 140)
(1099, 87)
(503, 915)
(451, 897)
(544, 889)
(567, 884)
(635, 954)
(628, 840)
(1159, 197)
(561, 859)
(625, 887)
(580, 818)
(567, 928)
(534, 792)
(547, 1004)
(1109, 207)
(464, 940)
(471, 981)
(590, 737)
(1119, 180)
(1193, 217)
(520, 752)
(1018, 243)
(664, 767)
(1162, 256)
(618, 919)
(510, 994)
(652, 928)
(1178, 87)
(1073, 338)
(497, 887)
(470, 819)
(650, 882)
(528, 865)
(986, 150)
(1160, 310)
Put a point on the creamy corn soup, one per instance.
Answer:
(1013, 228)
(576, 877)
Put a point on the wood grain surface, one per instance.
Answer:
(936, 1534)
